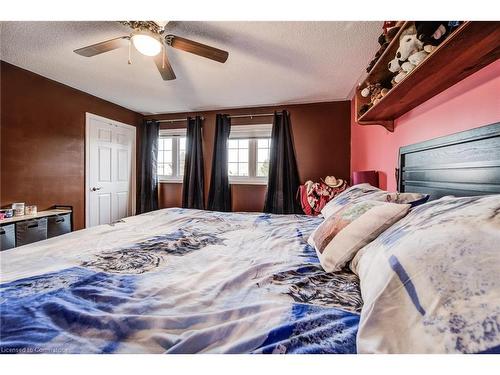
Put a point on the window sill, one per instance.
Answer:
(171, 181)
(248, 181)
(231, 182)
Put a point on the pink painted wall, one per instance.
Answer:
(471, 103)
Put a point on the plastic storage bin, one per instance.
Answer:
(31, 231)
(59, 224)
(7, 236)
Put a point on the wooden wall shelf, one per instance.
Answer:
(469, 48)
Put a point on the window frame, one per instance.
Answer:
(176, 135)
(253, 133)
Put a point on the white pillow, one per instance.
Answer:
(363, 192)
(430, 283)
(340, 236)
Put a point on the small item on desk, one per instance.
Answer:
(7, 213)
(2, 214)
(30, 210)
(18, 209)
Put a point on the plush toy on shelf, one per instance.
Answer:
(409, 54)
(390, 29)
(375, 92)
(432, 33)
(416, 43)
(371, 89)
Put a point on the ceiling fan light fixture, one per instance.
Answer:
(149, 39)
(146, 44)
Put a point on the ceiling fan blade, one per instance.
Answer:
(163, 65)
(98, 48)
(197, 48)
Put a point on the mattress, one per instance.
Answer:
(178, 281)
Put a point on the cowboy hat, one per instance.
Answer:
(333, 182)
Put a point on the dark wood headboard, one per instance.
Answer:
(461, 164)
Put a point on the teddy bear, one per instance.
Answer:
(376, 98)
(376, 91)
(432, 33)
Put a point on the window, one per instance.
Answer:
(171, 154)
(238, 157)
(263, 155)
(165, 160)
(248, 154)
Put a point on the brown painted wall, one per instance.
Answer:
(43, 139)
(321, 134)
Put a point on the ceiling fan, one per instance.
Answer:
(151, 39)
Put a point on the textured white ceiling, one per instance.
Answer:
(269, 62)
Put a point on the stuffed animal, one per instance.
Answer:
(398, 77)
(388, 25)
(394, 66)
(376, 92)
(434, 32)
(408, 45)
(406, 68)
(375, 99)
(364, 108)
(429, 48)
(430, 32)
(411, 52)
(371, 90)
(417, 57)
(390, 29)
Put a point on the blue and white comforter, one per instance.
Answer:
(178, 281)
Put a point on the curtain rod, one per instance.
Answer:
(255, 115)
(177, 120)
(231, 116)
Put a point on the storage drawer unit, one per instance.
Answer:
(30, 231)
(26, 229)
(7, 236)
(57, 225)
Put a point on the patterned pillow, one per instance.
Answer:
(362, 192)
(354, 194)
(433, 276)
(339, 237)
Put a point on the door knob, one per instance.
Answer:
(96, 188)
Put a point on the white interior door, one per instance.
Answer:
(110, 170)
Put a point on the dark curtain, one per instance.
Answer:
(283, 175)
(147, 185)
(193, 186)
(219, 195)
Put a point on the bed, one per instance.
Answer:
(178, 281)
(190, 281)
